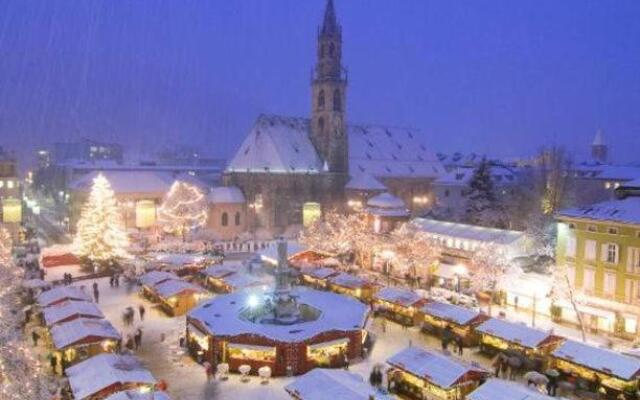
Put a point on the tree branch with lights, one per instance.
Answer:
(101, 238)
(183, 210)
(489, 267)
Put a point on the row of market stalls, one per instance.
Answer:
(339, 282)
(173, 294)
(75, 327)
(227, 278)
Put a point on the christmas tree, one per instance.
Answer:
(5, 245)
(184, 209)
(101, 237)
(483, 207)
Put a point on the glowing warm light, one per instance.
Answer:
(145, 214)
(184, 209)
(311, 212)
(11, 211)
(253, 301)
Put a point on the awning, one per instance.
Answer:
(328, 344)
(241, 346)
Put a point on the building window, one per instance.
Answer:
(321, 100)
(1, 184)
(609, 284)
(311, 212)
(9, 184)
(607, 185)
(633, 260)
(590, 250)
(592, 228)
(610, 253)
(237, 218)
(337, 100)
(321, 124)
(571, 274)
(572, 226)
(446, 193)
(571, 247)
(589, 280)
(225, 219)
(612, 230)
(332, 49)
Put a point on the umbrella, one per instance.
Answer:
(536, 377)
(552, 372)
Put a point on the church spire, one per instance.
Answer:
(330, 22)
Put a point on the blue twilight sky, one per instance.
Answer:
(502, 77)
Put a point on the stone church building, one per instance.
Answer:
(291, 169)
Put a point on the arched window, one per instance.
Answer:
(225, 219)
(237, 218)
(321, 100)
(332, 50)
(321, 124)
(337, 101)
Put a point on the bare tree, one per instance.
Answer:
(564, 290)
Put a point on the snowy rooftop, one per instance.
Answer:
(321, 384)
(104, 370)
(221, 316)
(609, 172)
(60, 293)
(226, 195)
(178, 259)
(469, 232)
(450, 312)
(461, 176)
(174, 287)
(348, 281)
(398, 296)
(365, 182)
(123, 182)
(78, 330)
(626, 211)
(386, 200)
(137, 395)
(152, 278)
(319, 273)
(514, 332)
(280, 144)
(241, 280)
(36, 284)
(598, 359)
(497, 389)
(219, 270)
(293, 248)
(437, 368)
(61, 311)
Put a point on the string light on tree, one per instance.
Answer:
(184, 209)
(101, 237)
(5, 245)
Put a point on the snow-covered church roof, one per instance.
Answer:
(226, 195)
(366, 182)
(123, 182)
(279, 144)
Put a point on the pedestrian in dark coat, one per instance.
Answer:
(35, 337)
(141, 310)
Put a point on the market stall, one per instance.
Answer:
(237, 281)
(420, 374)
(461, 321)
(354, 286)
(498, 335)
(143, 394)
(400, 305)
(317, 277)
(212, 275)
(181, 264)
(176, 296)
(103, 375)
(149, 280)
(60, 294)
(82, 338)
(70, 310)
(613, 371)
(497, 389)
(322, 384)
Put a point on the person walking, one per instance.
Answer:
(137, 338)
(53, 361)
(460, 345)
(35, 337)
(96, 293)
(141, 310)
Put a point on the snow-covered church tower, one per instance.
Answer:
(328, 128)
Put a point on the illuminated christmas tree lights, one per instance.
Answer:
(183, 210)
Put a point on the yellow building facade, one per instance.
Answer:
(599, 245)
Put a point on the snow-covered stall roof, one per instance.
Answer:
(104, 370)
(174, 287)
(152, 278)
(349, 281)
(222, 316)
(178, 259)
(437, 368)
(403, 297)
(278, 144)
(78, 330)
(123, 182)
(497, 389)
(226, 195)
(469, 232)
(61, 293)
(270, 253)
(365, 182)
(241, 280)
(625, 211)
(61, 311)
(219, 270)
(36, 284)
(595, 358)
(319, 273)
(514, 332)
(450, 312)
(137, 395)
(322, 384)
